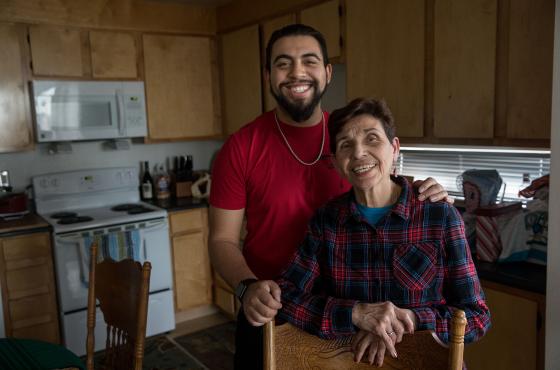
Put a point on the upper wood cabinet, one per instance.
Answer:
(464, 68)
(57, 51)
(79, 53)
(529, 66)
(385, 45)
(268, 28)
(113, 55)
(326, 19)
(15, 119)
(241, 77)
(181, 87)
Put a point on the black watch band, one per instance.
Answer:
(242, 287)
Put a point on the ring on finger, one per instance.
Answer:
(391, 332)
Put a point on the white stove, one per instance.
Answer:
(103, 205)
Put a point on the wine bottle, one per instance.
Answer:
(147, 183)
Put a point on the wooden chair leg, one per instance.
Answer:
(456, 341)
(269, 352)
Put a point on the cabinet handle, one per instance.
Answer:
(539, 321)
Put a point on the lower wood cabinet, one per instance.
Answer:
(224, 297)
(28, 287)
(516, 338)
(191, 264)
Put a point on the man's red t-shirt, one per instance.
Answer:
(256, 171)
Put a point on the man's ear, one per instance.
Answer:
(396, 148)
(329, 69)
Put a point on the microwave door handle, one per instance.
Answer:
(120, 110)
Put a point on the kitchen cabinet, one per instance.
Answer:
(15, 120)
(529, 68)
(241, 77)
(191, 264)
(224, 294)
(57, 51)
(325, 18)
(385, 43)
(28, 288)
(268, 28)
(113, 55)
(516, 338)
(79, 53)
(464, 68)
(181, 87)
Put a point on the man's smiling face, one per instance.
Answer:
(298, 75)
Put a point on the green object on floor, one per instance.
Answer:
(32, 354)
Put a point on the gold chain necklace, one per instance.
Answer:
(290, 148)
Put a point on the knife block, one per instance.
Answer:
(183, 189)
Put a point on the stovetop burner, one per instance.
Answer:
(58, 215)
(131, 208)
(74, 219)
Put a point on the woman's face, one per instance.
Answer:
(364, 154)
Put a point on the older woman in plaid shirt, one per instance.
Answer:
(376, 262)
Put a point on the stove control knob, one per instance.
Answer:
(43, 183)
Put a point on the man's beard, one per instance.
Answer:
(299, 111)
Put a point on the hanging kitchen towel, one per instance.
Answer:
(116, 245)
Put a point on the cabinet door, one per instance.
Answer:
(15, 122)
(385, 58)
(241, 73)
(267, 29)
(325, 18)
(193, 281)
(529, 87)
(464, 68)
(56, 51)
(180, 86)
(113, 54)
(27, 278)
(511, 342)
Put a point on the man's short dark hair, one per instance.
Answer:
(296, 29)
(376, 108)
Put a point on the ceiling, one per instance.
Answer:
(209, 3)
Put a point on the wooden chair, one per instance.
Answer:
(122, 290)
(287, 347)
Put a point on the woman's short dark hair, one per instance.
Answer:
(376, 108)
(296, 29)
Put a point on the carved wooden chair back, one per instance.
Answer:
(122, 291)
(287, 347)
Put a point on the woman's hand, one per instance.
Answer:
(367, 343)
(384, 320)
(432, 190)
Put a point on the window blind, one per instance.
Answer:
(446, 165)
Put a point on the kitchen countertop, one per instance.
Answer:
(29, 222)
(178, 204)
(521, 275)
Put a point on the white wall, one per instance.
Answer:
(552, 354)
(85, 155)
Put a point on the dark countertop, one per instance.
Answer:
(173, 204)
(521, 275)
(29, 222)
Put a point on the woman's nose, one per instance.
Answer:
(359, 151)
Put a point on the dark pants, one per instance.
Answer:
(248, 345)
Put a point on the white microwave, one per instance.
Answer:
(88, 110)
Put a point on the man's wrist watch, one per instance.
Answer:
(242, 287)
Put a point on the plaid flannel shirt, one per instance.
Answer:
(416, 256)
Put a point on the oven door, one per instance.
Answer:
(72, 288)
